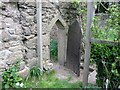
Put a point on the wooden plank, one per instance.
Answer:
(39, 33)
(74, 47)
(90, 10)
(105, 42)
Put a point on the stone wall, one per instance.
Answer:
(11, 45)
(18, 31)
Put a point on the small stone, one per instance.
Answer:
(3, 65)
(1, 26)
(92, 77)
(31, 44)
(1, 47)
(1, 4)
(34, 29)
(47, 5)
(29, 37)
(11, 31)
(30, 18)
(26, 31)
(6, 36)
(6, 45)
(46, 53)
(48, 66)
(22, 65)
(16, 48)
(13, 58)
(44, 26)
(24, 73)
(5, 0)
(8, 20)
(4, 54)
(30, 3)
(31, 54)
(32, 62)
(46, 39)
(14, 43)
(31, 11)
(0, 35)
(18, 30)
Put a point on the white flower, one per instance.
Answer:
(17, 84)
(107, 83)
(119, 87)
(21, 85)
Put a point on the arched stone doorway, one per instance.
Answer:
(62, 37)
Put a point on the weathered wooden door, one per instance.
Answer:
(74, 47)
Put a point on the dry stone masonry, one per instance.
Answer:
(18, 32)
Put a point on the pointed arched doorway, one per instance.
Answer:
(61, 36)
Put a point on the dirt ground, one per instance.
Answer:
(64, 73)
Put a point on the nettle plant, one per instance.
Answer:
(11, 79)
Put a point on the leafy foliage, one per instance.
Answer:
(35, 72)
(76, 10)
(11, 78)
(114, 20)
(53, 49)
(109, 28)
(107, 59)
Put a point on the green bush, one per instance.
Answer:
(107, 60)
(111, 28)
(11, 78)
(53, 49)
(35, 72)
(107, 57)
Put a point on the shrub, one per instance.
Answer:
(35, 72)
(11, 78)
(107, 60)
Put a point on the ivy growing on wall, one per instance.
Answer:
(75, 10)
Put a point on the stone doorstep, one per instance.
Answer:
(92, 77)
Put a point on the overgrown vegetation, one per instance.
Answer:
(77, 10)
(35, 72)
(109, 27)
(107, 59)
(11, 78)
(53, 50)
(48, 80)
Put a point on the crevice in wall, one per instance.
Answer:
(18, 6)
